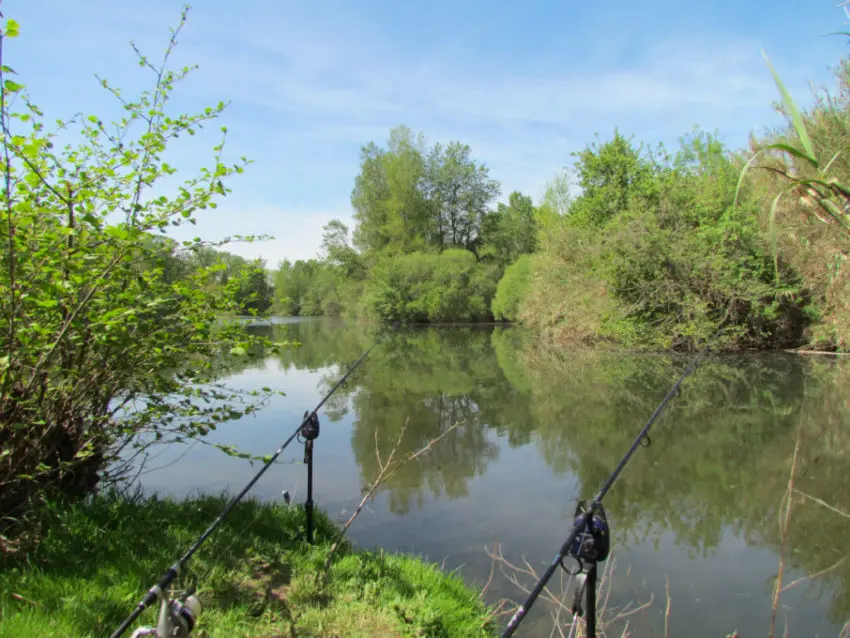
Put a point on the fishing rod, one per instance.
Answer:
(589, 541)
(177, 617)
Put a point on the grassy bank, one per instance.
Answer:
(255, 576)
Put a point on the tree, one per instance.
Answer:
(389, 206)
(107, 341)
(460, 192)
(610, 176)
(407, 198)
(511, 231)
(338, 251)
(254, 293)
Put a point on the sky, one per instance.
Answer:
(523, 83)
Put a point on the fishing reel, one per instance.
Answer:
(310, 429)
(593, 544)
(177, 617)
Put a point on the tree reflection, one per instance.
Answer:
(721, 453)
(719, 458)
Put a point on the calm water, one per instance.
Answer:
(540, 428)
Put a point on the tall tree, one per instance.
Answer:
(408, 198)
(389, 206)
(510, 231)
(338, 251)
(460, 191)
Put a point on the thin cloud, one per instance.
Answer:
(309, 88)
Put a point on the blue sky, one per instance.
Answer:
(523, 83)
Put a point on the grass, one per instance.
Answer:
(255, 576)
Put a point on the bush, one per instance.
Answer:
(429, 287)
(105, 334)
(654, 253)
(512, 288)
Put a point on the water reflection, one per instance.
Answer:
(538, 428)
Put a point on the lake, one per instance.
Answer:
(540, 427)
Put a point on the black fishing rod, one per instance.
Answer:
(592, 546)
(177, 618)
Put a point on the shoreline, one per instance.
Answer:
(255, 573)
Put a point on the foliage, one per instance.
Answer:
(313, 288)
(408, 198)
(106, 332)
(423, 221)
(804, 179)
(420, 287)
(84, 582)
(659, 237)
(511, 289)
(510, 231)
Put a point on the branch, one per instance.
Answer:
(831, 508)
(784, 524)
(562, 600)
(9, 216)
(385, 471)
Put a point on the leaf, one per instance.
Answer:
(796, 118)
(749, 163)
(238, 351)
(13, 29)
(787, 148)
(773, 235)
(830, 162)
(12, 86)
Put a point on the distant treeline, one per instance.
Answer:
(634, 245)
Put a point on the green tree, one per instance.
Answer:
(610, 176)
(510, 231)
(254, 294)
(389, 206)
(106, 338)
(407, 198)
(460, 192)
(512, 289)
(338, 250)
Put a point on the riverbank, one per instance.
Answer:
(255, 576)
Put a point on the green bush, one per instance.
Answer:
(511, 289)
(429, 287)
(654, 253)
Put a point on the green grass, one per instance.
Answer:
(255, 576)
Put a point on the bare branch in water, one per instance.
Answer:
(385, 471)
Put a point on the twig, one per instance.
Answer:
(484, 589)
(783, 538)
(822, 503)
(562, 602)
(813, 576)
(667, 610)
(385, 471)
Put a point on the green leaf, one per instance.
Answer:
(13, 29)
(796, 118)
(773, 234)
(238, 351)
(12, 86)
(787, 148)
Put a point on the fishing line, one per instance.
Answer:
(594, 545)
(157, 590)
